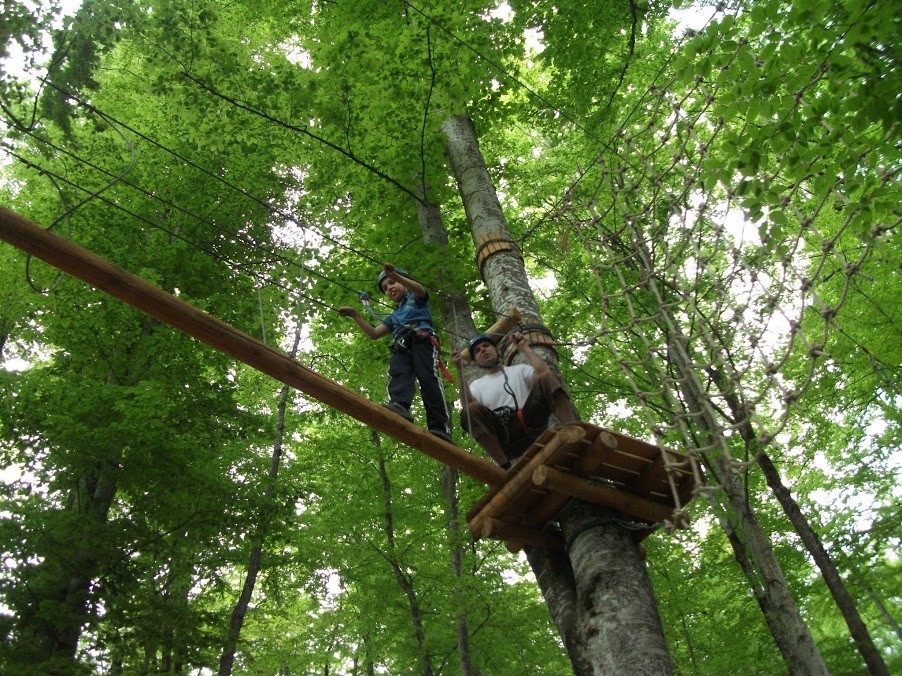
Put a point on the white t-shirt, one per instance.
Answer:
(489, 390)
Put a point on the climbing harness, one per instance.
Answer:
(403, 339)
(429, 335)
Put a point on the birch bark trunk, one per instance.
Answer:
(605, 569)
(789, 630)
(812, 541)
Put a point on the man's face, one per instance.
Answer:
(392, 289)
(484, 353)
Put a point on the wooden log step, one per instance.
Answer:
(551, 504)
(559, 446)
(599, 466)
(606, 496)
(513, 534)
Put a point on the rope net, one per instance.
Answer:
(740, 217)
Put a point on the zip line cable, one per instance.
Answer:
(273, 210)
(607, 145)
(214, 255)
(236, 236)
(501, 70)
(239, 104)
(304, 130)
(254, 245)
(69, 210)
(300, 130)
(218, 257)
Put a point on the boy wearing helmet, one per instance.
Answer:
(507, 408)
(415, 352)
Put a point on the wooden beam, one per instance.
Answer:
(561, 443)
(502, 530)
(497, 330)
(101, 274)
(577, 487)
(604, 444)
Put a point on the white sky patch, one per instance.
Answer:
(333, 587)
(544, 286)
(15, 364)
(296, 54)
(534, 41)
(10, 474)
(691, 18)
(503, 11)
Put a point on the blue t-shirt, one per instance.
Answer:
(411, 313)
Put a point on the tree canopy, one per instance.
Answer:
(710, 218)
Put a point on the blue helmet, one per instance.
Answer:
(479, 338)
(382, 275)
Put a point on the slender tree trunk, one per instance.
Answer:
(790, 632)
(844, 601)
(459, 325)
(368, 665)
(756, 583)
(890, 620)
(404, 580)
(4, 336)
(751, 545)
(449, 482)
(227, 659)
(86, 561)
(606, 567)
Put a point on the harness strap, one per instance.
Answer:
(423, 333)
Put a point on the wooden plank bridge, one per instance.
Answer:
(576, 462)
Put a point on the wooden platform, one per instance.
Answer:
(587, 463)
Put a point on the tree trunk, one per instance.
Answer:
(727, 521)
(789, 630)
(598, 642)
(52, 619)
(404, 580)
(459, 325)
(555, 577)
(844, 601)
(54, 635)
(227, 659)
(887, 616)
(449, 482)
(617, 611)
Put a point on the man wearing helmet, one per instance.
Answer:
(415, 350)
(507, 408)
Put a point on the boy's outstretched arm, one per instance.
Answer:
(372, 332)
